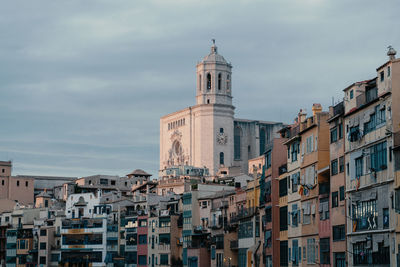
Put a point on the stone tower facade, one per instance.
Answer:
(207, 134)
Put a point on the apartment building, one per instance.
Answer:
(369, 143)
(338, 212)
(314, 190)
(293, 197)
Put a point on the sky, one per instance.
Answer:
(83, 84)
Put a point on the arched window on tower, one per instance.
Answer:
(208, 81)
(219, 81)
(262, 141)
(236, 139)
(221, 158)
(228, 82)
(200, 82)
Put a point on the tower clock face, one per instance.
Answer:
(222, 138)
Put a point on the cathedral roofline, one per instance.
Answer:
(260, 121)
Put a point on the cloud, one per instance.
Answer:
(83, 84)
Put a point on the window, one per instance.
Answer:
(388, 71)
(268, 159)
(221, 158)
(219, 81)
(306, 213)
(295, 215)
(339, 232)
(237, 136)
(104, 181)
(376, 119)
(113, 182)
(142, 260)
(385, 218)
(340, 259)
(22, 244)
(283, 218)
(310, 144)
(164, 259)
(341, 164)
(283, 187)
(341, 193)
(365, 215)
(164, 239)
(17, 183)
(228, 83)
(208, 81)
(354, 133)
(268, 214)
(295, 148)
(334, 167)
(378, 157)
(268, 239)
(43, 232)
(311, 250)
(142, 239)
(359, 167)
(26, 183)
(2, 182)
(55, 257)
(334, 135)
(295, 252)
(324, 209)
(351, 94)
(283, 248)
(42, 260)
(245, 229)
(295, 178)
(324, 249)
(334, 199)
(221, 130)
(382, 75)
(42, 245)
(340, 130)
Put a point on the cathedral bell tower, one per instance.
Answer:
(214, 76)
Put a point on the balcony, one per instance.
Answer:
(82, 223)
(164, 247)
(234, 244)
(244, 213)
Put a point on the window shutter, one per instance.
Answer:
(302, 149)
(311, 143)
(302, 179)
(367, 163)
(316, 143)
(290, 258)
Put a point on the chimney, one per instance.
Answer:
(302, 116)
(391, 53)
(316, 108)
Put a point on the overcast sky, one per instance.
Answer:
(84, 83)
